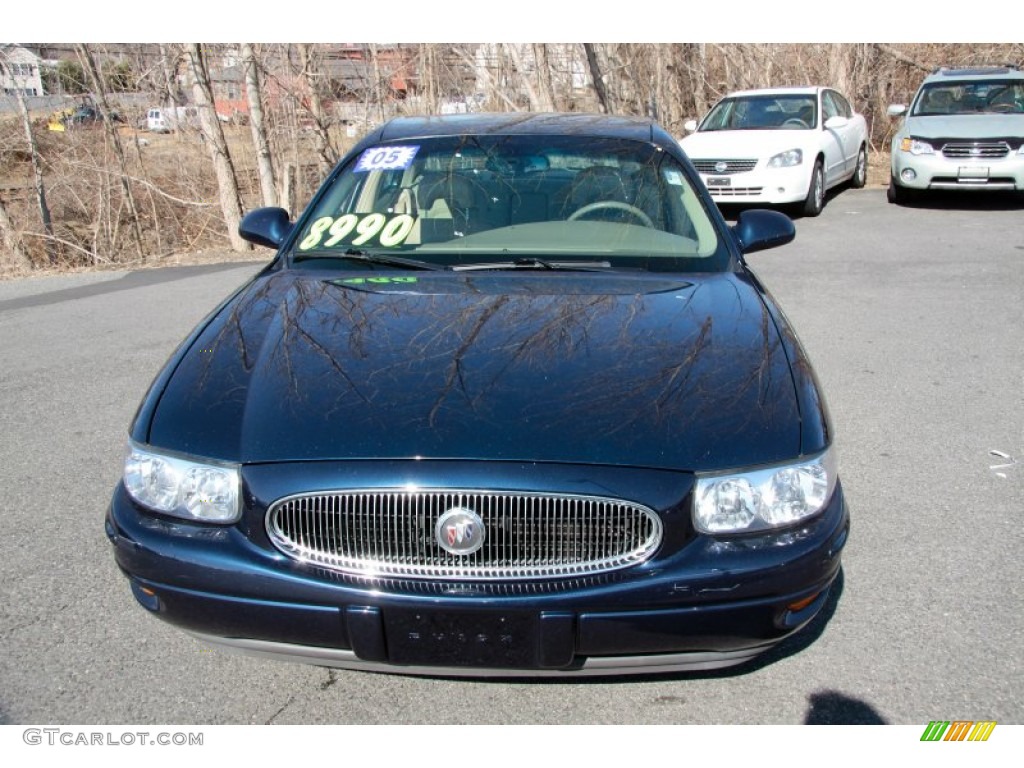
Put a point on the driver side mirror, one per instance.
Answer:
(266, 226)
(758, 230)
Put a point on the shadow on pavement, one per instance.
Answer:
(834, 708)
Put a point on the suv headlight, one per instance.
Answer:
(786, 159)
(764, 499)
(916, 147)
(204, 491)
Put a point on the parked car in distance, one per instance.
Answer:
(167, 119)
(964, 130)
(89, 115)
(507, 401)
(779, 146)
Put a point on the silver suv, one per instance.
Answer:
(964, 130)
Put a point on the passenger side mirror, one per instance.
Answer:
(266, 226)
(759, 230)
(690, 126)
(895, 110)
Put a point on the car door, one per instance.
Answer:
(832, 142)
(847, 135)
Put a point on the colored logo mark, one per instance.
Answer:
(958, 730)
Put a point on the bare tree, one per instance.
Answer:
(327, 153)
(537, 101)
(100, 92)
(543, 67)
(428, 77)
(40, 185)
(596, 77)
(213, 135)
(264, 165)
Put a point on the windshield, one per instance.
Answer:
(969, 98)
(451, 200)
(752, 113)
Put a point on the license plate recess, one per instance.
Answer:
(497, 640)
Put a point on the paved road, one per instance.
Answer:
(914, 319)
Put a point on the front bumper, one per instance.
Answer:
(711, 603)
(936, 171)
(767, 186)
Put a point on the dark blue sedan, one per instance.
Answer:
(508, 401)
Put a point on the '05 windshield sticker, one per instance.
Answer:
(353, 229)
(385, 159)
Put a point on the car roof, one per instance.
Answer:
(975, 73)
(801, 90)
(525, 123)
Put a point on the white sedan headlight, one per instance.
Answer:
(205, 491)
(764, 499)
(916, 147)
(786, 159)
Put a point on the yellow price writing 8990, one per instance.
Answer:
(388, 231)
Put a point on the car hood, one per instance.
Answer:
(742, 144)
(980, 126)
(609, 368)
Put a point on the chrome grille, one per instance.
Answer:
(734, 191)
(731, 166)
(976, 149)
(528, 536)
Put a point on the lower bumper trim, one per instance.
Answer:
(589, 666)
(992, 186)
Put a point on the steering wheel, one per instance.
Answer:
(632, 210)
(796, 121)
(1002, 107)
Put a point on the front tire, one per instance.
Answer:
(860, 173)
(816, 192)
(897, 194)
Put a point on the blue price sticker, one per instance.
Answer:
(385, 159)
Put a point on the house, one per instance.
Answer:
(20, 71)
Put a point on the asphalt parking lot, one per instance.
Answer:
(914, 320)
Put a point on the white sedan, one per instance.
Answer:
(779, 146)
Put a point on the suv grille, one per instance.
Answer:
(528, 536)
(731, 166)
(976, 149)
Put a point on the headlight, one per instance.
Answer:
(764, 499)
(786, 159)
(195, 490)
(916, 147)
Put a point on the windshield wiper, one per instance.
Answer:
(535, 263)
(354, 254)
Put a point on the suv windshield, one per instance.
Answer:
(964, 97)
(752, 113)
(454, 199)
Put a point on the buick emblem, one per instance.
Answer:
(721, 166)
(460, 531)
